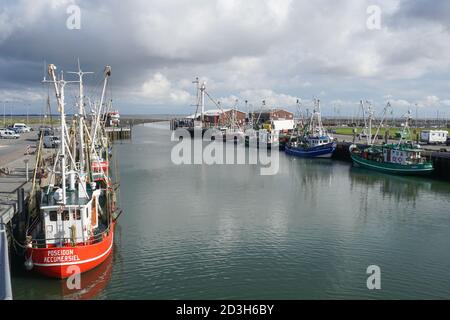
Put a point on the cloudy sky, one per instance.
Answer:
(276, 50)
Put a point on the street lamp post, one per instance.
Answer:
(4, 113)
(11, 113)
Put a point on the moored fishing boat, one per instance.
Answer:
(314, 142)
(403, 157)
(392, 158)
(73, 228)
(113, 119)
(311, 147)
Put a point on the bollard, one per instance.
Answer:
(20, 200)
(26, 169)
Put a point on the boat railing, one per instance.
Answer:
(61, 242)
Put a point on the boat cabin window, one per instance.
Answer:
(65, 216)
(53, 216)
(77, 215)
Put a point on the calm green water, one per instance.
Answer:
(226, 232)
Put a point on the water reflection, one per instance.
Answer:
(392, 186)
(92, 282)
(226, 232)
(310, 176)
(29, 285)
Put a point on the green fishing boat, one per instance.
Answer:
(403, 157)
(392, 158)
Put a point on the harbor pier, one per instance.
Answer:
(14, 191)
(118, 133)
(125, 129)
(441, 163)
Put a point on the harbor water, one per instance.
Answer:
(226, 232)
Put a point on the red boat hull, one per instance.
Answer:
(62, 262)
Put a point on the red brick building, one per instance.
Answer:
(218, 118)
(274, 114)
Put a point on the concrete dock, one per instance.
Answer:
(118, 133)
(14, 189)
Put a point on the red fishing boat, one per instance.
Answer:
(73, 230)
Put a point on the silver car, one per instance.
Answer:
(9, 134)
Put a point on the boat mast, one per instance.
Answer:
(59, 90)
(405, 127)
(98, 116)
(311, 120)
(361, 106)
(300, 112)
(260, 111)
(388, 106)
(370, 117)
(367, 121)
(202, 92)
(81, 115)
(250, 121)
(198, 96)
(233, 117)
(319, 119)
(316, 124)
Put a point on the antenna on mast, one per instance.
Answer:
(81, 114)
(198, 97)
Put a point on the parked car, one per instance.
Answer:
(362, 135)
(448, 141)
(46, 131)
(21, 128)
(9, 134)
(51, 142)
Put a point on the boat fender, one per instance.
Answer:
(29, 264)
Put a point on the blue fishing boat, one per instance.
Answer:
(311, 147)
(314, 141)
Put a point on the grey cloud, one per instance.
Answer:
(238, 45)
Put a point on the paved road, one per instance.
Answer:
(12, 149)
(13, 171)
